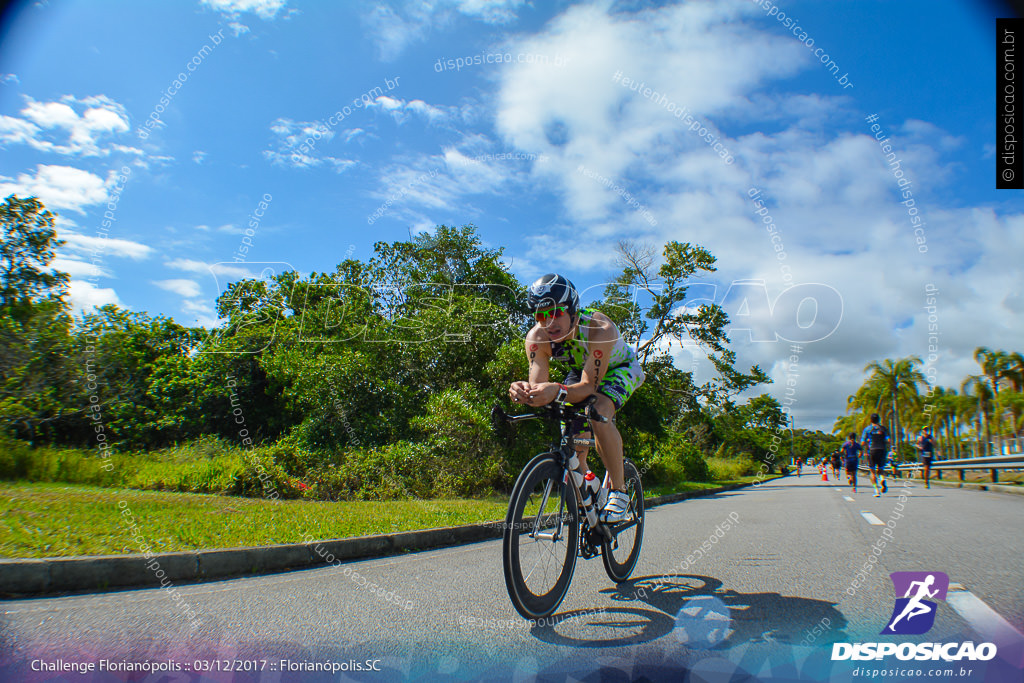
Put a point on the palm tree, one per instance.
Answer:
(893, 382)
(995, 365)
(979, 397)
(948, 414)
(845, 424)
(1015, 373)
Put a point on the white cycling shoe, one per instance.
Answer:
(615, 509)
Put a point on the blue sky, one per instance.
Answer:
(532, 151)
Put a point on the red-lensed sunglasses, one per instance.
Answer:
(544, 316)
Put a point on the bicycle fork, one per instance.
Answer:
(556, 534)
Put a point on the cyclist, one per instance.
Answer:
(875, 442)
(600, 361)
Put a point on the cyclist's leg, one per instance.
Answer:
(609, 442)
(614, 390)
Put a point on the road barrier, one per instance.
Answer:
(961, 465)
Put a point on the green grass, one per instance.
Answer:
(654, 491)
(61, 520)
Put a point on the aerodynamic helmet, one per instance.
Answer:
(553, 290)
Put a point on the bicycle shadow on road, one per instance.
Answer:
(697, 612)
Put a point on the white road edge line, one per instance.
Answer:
(982, 618)
(874, 521)
(848, 499)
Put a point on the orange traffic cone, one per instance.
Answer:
(824, 474)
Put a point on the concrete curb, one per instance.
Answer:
(34, 577)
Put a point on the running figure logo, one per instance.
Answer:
(914, 614)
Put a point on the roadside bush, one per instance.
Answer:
(723, 469)
(385, 473)
(695, 467)
(260, 477)
(669, 461)
(463, 457)
(74, 466)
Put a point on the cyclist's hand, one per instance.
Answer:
(519, 392)
(543, 394)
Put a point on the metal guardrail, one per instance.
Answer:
(991, 463)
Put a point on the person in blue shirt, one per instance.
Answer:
(875, 442)
(926, 449)
(850, 450)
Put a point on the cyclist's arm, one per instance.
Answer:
(600, 347)
(538, 351)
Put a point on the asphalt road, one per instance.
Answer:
(751, 603)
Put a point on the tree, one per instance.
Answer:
(29, 240)
(995, 365)
(37, 374)
(668, 319)
(1015, 374)
(892, 382)
(978, 398)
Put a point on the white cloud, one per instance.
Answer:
(78, 269)
(300, 144)
(107, 246)
(58, 187)
(264, 9)
(15, 130)
(184, 288)
(439, 188)
(58, 126)
(204, 313)
(199, 156)
(353, 134)
(85, 296)
(394, 27)
(440, 115)
(490, 11)
(231, 270)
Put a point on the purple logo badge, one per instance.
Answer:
(914, 612)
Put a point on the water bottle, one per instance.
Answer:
(591, 489)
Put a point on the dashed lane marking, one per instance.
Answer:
(874, 521)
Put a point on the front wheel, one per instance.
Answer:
(540, 538)
(620, 555)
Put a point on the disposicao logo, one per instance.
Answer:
(913, 613)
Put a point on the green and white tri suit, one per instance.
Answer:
(624, 373)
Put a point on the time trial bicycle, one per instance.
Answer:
(548, 523)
